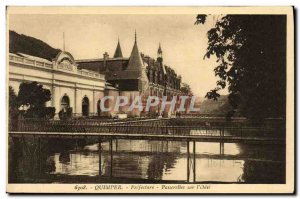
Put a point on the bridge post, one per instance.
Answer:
(127, 129)
(39, 156)
(241, 132)
(221, 131)
(116, 143)
(194, 160)
(76, 144)
(188, 161)
(99, 153)
(221, 148)
(111, 157)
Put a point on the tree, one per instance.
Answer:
(251, 57)
(33, 97)
(185, 89)
(13, 104)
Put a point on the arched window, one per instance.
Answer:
(65, 102)
(85, 106)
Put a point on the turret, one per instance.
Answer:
(118, 52)
(135, 60)
(159, 54)
(135, 63)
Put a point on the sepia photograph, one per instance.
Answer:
(150, 99)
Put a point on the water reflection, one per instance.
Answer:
(168, 161)
(217, 170)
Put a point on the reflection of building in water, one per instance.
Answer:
(139, 158)
(64, 157)
(219, 170)
(147, 146)
(79, 164)
(160, 164)
(144, 159)
(49, 165)
(130, 166)
(245, 165)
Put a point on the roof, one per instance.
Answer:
(125, 68)
(115, 75)
(101, 59)
(135, 60)
(159, 49)
(118, 52)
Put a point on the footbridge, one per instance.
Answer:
(176, 129)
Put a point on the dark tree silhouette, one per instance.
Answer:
(251, 57)
(13, 104)
(34, 96)
(185, 89)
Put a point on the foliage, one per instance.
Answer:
(33, 97)
(65, 114)
(185, 89)
(251, 57)
(220, 106)
(200, 19)
(33, 94)
(40, 112)
(13, 104)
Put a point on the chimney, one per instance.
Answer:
(105, 58)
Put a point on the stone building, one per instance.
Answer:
(163, 80)
(81, 84)
(137, 75)
(70, 87)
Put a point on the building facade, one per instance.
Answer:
(81, 84)
(69, 86)
(137, 75)
(139, 72)
(163, 80)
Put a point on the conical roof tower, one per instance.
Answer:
(136, 64)
(118, 52)
(135, 60)
(159, 51)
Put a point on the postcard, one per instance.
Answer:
(169, 100)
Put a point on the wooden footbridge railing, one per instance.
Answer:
(151, 129)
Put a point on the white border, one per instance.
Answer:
(3, 4)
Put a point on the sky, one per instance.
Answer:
(90, 36)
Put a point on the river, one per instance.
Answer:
(45, 160)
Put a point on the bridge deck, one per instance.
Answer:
(205, 138)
